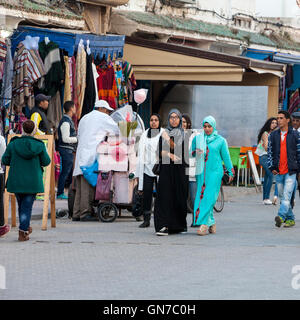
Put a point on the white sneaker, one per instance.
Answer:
(267, 202)
(275, 200)
(163, 232)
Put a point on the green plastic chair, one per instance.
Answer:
(234, 155)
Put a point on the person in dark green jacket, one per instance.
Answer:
(26, 157)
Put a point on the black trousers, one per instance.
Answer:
(1, 199)
(148, 192)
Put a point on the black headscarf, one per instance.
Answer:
(152, 133)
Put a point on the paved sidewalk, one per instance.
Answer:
(248, 258)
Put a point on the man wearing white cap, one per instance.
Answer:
(92, 130)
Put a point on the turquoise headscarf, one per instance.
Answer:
(202, 140)
(212, 121)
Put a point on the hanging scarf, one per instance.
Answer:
(176, 132)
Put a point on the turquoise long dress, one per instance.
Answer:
(209, 177)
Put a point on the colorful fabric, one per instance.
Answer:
(107, 86)
(7, 80)
(80, 78)
(68, 73)
(28, 68)
(3, 52)
(16, 122)
(294, 104)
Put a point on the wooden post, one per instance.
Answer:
(49, 188)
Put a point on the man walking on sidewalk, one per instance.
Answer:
(284, 162)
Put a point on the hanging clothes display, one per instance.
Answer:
(106, 82)
(54, 76)
(90, 93)
(38, 61)
(3, 52)
(95, 76)
(294, 102)
(68, 79)
(80, 78)
(7, 80)
(28, 68)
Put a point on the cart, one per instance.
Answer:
(117, 155)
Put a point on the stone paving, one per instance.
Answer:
(248, 258)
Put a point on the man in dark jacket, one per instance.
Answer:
(67, 142)
(38, 114)
(26, 156)
(284, 162)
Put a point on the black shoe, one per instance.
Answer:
(145, 224)
(88, 217)
(75, 219)
(139, 218)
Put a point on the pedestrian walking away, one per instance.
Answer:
(4, 228)
(146, 159)
(262, 151)
(26, 157)
(284, 162)
(67, 141)
(210, 150)
(170, 209)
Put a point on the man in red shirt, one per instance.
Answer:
(284, 162)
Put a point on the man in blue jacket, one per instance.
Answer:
(284, 162)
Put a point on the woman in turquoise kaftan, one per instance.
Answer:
(210, 150)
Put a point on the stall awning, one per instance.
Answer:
(162, 61)
(69, 39)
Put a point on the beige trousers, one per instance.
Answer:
(84, 197)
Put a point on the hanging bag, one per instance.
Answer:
(103, 186)
(90, 173)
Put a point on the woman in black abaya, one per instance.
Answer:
(170, 209)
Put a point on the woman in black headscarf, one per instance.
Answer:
(171, 203)
(147, 158)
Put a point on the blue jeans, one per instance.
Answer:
(65, 176)
(268, 178)
(286, 185)
(25, 203)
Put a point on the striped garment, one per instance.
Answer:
(3, 51)
(28, 68)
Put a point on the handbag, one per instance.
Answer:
(156, 169)
(103, 187)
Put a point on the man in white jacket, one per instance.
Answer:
(92, 130)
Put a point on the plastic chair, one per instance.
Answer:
(234, 155)
(243, 164)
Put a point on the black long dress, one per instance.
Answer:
(170, 208)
